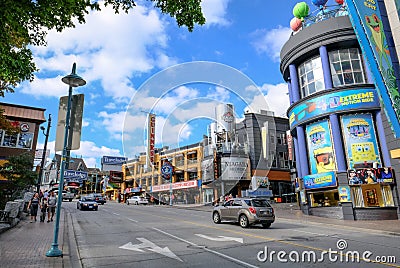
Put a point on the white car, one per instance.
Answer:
(137, 200)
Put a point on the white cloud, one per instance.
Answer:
(277, 98)
(270, 42)
(214, 11)
(108, 48)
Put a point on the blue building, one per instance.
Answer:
(341, 134)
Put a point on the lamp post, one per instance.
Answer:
(73, 80)
(44, 153)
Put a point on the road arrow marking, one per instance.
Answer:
(221, 238)
(146, 244)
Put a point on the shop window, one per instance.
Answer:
(346, 67)
(311, 77)
(281, 138)
(324, 199)
(357, 196)
(387, 196)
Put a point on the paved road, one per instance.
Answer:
(160, 236)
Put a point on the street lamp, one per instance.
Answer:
(73, 80)
(44, 153)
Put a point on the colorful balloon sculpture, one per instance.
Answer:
(295, 24)
(301, 10)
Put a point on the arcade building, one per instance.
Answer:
(341, 135)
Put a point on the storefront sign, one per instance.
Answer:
(344, 194)
(151, 136)
(133, 190)
(175, 186)
(113, 160)
(322, 180)
(333, 103)
(233, 168)
(261, 192)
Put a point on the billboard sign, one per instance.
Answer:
(113, 160)
(233, 168)
(370, 30)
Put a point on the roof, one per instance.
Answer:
(74, 164)
(23, 112)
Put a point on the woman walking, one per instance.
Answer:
(34, 204)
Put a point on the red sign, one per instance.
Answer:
(151, 141)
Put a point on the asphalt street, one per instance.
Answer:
(162, 236)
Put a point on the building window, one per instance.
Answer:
(283, 160)
(311, 77)
(346, 67)
(281, 138)
(20, 140)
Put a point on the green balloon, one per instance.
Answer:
(301, 10)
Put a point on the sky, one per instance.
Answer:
(142, 62)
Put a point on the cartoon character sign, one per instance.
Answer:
(360, 140)
(321, 156)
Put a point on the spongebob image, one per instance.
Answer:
(324, 159)
(317, 135)
(359, 128)
(363, 154)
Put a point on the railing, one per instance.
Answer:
(324, 14)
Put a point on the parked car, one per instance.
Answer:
(137, 200)
(87, 203)
(99, 198)
(245, 211)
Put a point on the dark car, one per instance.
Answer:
(99, 198)
(87, 203)
(245, 211)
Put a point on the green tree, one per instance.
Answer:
(18, 175)
(25, 23)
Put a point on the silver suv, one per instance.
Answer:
(246, 211)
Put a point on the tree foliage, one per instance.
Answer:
(24, 23)
(18, 175)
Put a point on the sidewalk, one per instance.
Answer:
(26, 244)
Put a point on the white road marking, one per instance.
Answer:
(146, 244)
(132, 220)
(207, 249)
(221, 238)
(115, 213)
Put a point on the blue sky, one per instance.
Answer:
(118, 55)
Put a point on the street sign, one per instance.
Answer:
(166, 170)
(75, 176)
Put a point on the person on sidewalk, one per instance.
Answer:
(33, 205)
(43, 209)
(51, 206)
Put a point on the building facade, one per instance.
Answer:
(340, 131)
(139, 179)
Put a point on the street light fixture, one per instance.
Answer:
(44, 152)
(73, 80)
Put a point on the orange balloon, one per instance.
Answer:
(295, 24)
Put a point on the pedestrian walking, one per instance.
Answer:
(43, 209)
(51, 206)
(34, 205)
